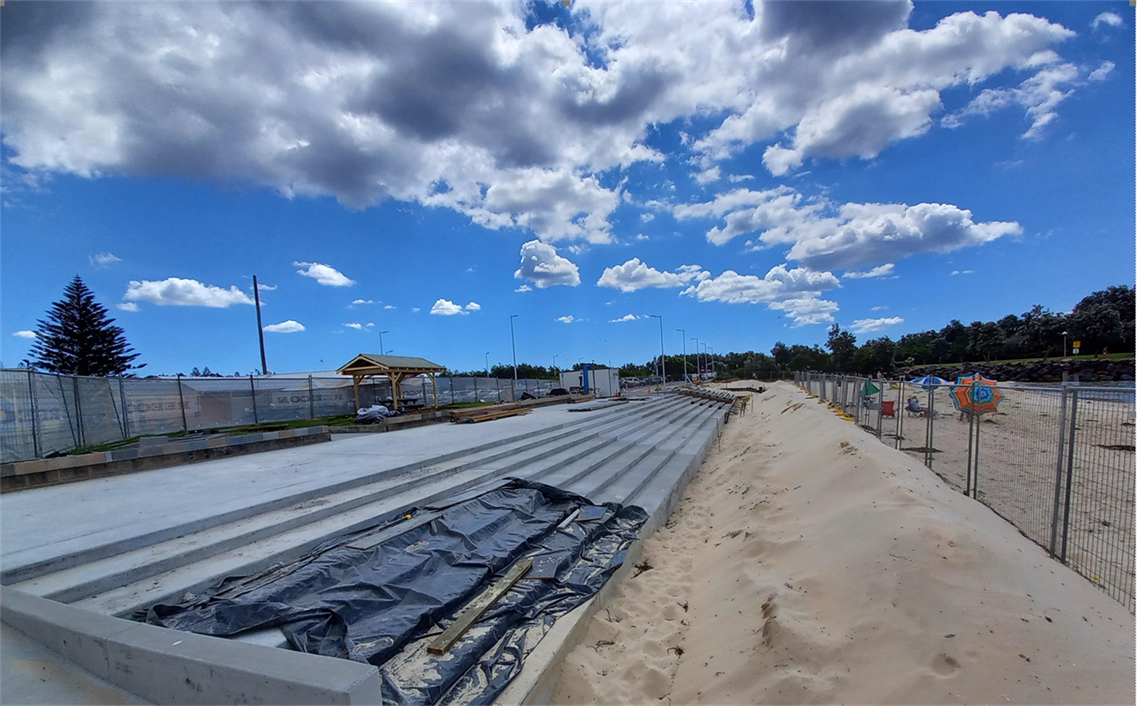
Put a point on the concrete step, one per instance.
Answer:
(620, 488)
(566, 471)
(86, 580)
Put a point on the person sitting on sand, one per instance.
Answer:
(912, 405)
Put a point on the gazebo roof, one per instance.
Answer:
(368, 364)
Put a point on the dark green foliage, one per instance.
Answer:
(78, 338)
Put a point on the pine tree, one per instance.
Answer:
(77, 338)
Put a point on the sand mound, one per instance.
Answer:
(810, 563)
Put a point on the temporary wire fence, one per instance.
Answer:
(42, 414)
(1058, 462)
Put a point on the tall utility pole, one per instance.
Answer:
(487, 362)
(382, 342)
(684, 355)
(556, 364)
(260, 332)
(514, 359)
(706, 352)
(661, 332)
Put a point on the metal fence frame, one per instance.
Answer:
(1061, 467)
(45, 413)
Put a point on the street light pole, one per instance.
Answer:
(487, 362)
(661, 363)
(684, 354)
(556, 364)
(1064, 343)
(514, 358)
(382, 341)
(706, 352)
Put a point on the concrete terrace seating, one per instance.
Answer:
(635, 454)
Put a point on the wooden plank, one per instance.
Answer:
(476, 608)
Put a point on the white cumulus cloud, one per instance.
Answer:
(627, 317)
(542, 265)
(289, 326)
(127, 306)
(871, 325)
(568, 319)
(796, 291)
(324, 274)
(634, 274)
(356, 325)
(444, 307)
(472, 306)
(359, 302)
(523, 288)
(825, 236)
(25, 334)
(175, 291)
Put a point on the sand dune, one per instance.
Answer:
(809, 563)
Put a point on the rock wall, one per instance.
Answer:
(1092, 370)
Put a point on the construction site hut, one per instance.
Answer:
(395, 367)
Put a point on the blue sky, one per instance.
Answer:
(752, 174)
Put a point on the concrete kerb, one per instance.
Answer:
(169, 666)
(543, 667)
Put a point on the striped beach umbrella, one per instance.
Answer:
(976, 395)
(929, 382)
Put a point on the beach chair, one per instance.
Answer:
(888, 409)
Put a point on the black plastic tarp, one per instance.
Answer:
(383, 604)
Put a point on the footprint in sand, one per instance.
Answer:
(945, 665)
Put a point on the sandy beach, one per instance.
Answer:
(810, 563)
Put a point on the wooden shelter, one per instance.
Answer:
(395, 367)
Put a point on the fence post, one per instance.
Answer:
(899, 413)
(1069, 476)
(970, 442)
(182, 404)
(311, 415)
(78, 410)
(252, 396)
(930, 429)
(879, 433)
(1060, 471)
(126, 414)
(67, 410)
(977, 455)
(35, 413)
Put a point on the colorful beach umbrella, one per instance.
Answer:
(929, 382)
(976, 395)
(869, 389)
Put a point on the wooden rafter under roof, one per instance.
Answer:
(394, 367)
